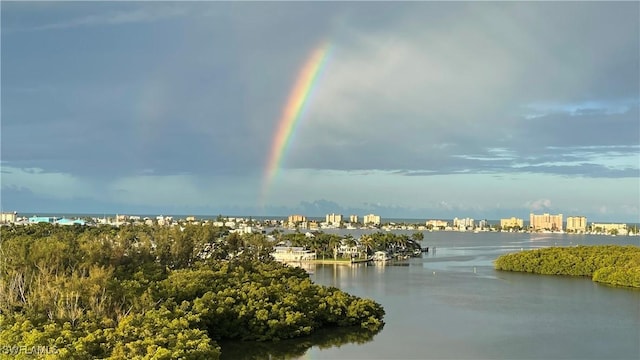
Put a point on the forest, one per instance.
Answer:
(80, 292)
(609, 264)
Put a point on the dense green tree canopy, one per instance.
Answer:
(610, 264)
(157, 292)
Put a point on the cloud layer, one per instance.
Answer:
(150, 104)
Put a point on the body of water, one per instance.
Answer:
(452, 304)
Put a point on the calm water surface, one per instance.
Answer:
(452, 304)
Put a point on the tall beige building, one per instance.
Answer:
(353, 219)
(371, 219)
(511, 223)
(296, 219)
(545, 222)
(334, 219)
(576, 224)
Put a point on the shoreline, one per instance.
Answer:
(321, 261)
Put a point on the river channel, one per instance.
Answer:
(452, 304)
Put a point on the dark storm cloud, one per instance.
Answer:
(173, 98)
(164, 104)
(531, 78)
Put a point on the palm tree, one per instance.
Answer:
(350, 241)
(334, 241)
(368, 242)
(402, 240)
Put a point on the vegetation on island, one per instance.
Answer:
(157, 292)
(327, 245)
(610, 264)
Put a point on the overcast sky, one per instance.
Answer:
(422, 110)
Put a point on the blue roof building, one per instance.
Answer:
(65, 221)
(41, 219)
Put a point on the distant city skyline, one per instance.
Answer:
(314, 211)
(405, 110)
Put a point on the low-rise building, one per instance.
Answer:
(8, 217)
(614, 229)
(65, 221)
(41, 219)
(242, 230)
(313, 225)
(436, 224)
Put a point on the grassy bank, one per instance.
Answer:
(610, 264)
(328, 261)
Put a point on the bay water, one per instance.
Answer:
(452, 304)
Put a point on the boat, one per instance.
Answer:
(356, 260)
(381, 256)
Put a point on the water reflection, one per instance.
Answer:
(295, 348)
(452, 304)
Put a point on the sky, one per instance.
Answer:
(420, 110)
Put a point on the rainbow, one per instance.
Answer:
(293, 111)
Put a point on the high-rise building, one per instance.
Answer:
(511, 223)
(296, 219)
(576, 224)
(371, 219)
(545, 222)
(466, 223)
(353, 219)
(334, 219)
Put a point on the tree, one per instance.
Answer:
(417, 236)
(144, 292)
(368, 242)
(334, 242)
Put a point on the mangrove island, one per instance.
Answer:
(609, 264)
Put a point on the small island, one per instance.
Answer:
(609, 264)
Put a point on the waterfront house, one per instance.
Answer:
(292, 253)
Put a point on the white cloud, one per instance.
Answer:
(538, 205)
(140, 15)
